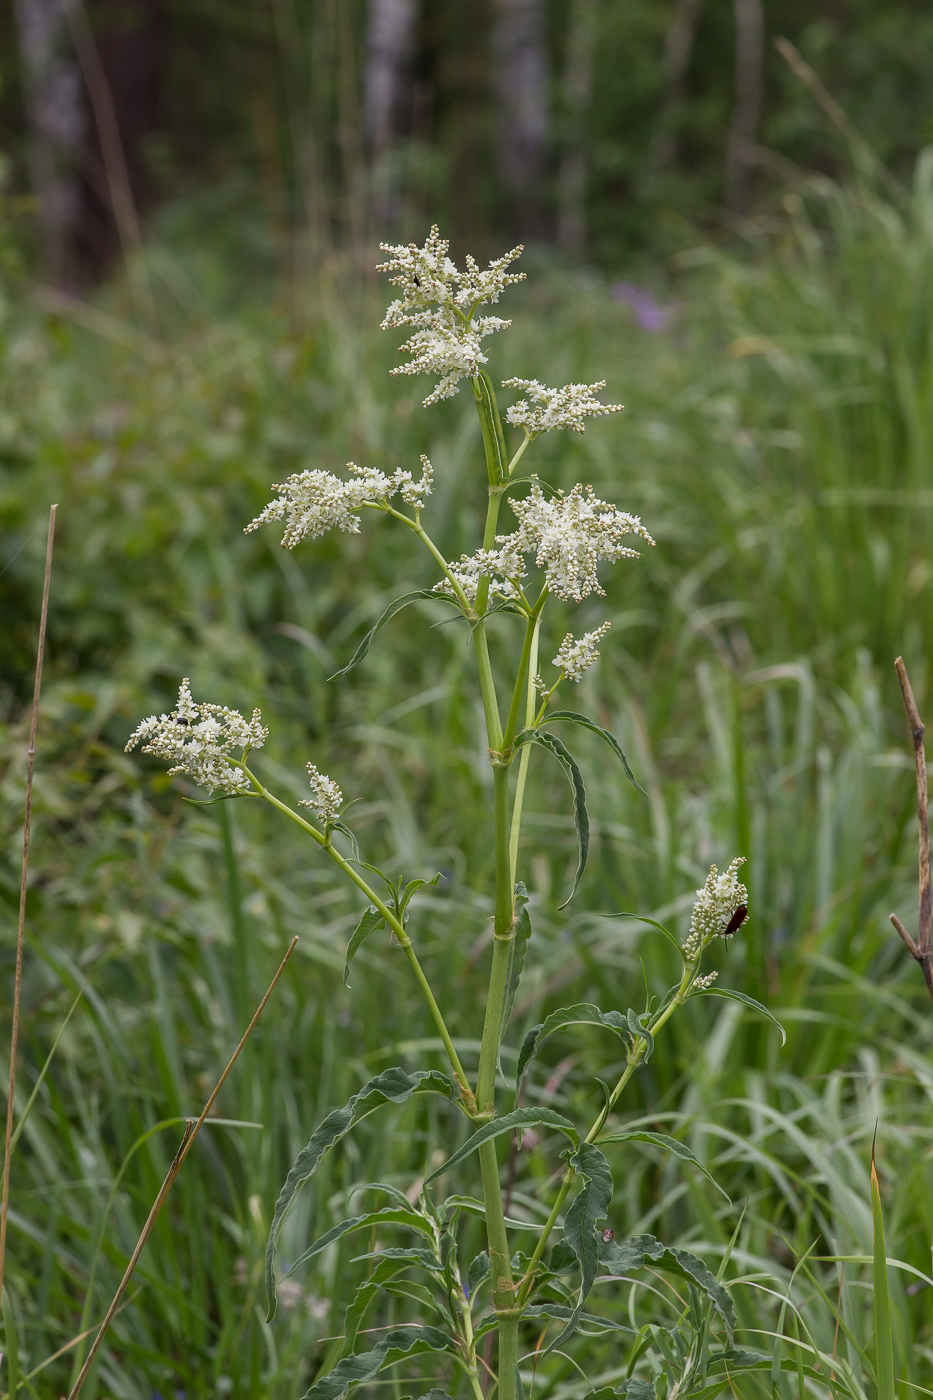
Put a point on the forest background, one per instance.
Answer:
(739, 237)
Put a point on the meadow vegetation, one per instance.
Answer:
(776, 441)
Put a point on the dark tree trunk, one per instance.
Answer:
(678, 46)
(56, 123)
(387, 99)
(578, 83)
(523, 127)
(740, 157)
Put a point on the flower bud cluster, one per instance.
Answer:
(556, 408)
(570, 535)
(440, 302)
(715, 906)
(198, 741)
(312, 502)
(326, 798)
(573, 657)
(505, 568)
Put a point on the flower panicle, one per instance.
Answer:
(570, 535)
(314, 501)
(574, 657)
(439, 303)
(326, 798)
(199, 739)
(566, 407)
(719, 908)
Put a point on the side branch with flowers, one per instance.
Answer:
(556, 549)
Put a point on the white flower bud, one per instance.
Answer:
(574, 657)
(312, 502)
(556, 408)
(199, 739)
(570, 535)
(721, 901)
(326, 798)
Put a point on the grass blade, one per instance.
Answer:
(881, 1308)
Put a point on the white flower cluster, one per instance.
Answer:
(440, 302)
(313, 502)
(199, 739)
(326, 798)
(700, 984)
(574, 657)
(716, 905)
(504, 567)
(556, 408)
(570, 535)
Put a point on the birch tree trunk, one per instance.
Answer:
(389, 45)
(749, 48)
(56, 123)
(522, 128)
(578, 84)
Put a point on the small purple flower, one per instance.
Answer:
(649, 315)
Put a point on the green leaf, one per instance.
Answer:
(368, 924)
(626, 914)
(365, 1293)
(623, 1258)
(589, 1206)
(584, 1013)
(394, 607)
(392, 1086)
(477, 1272)
(520, 1118)
(881, 1307)
(679, 1149)
(562, 1313)
(632, 1389)
(345, 831)
(638, 1029)
(389, 1215)
(610, 739)
(750, 1002)
(521, 932)
(411, 889)
(422, 1258)
(362, 1366)
(407, 1288)
(581, 820)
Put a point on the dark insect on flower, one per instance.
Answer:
(182, 722)
(737, 920)
(608, 1236)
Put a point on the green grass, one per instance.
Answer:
(777, 443)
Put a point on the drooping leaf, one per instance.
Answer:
(521, 933)
(623, 1258)
(562, 1258)
(389, 1215)
(625, 914)
(584, 1013)
(632, 1389)
(610, 739)
(748, 1001)
(368, 924)
(345, 831)
(384, 1270)
(392, 1086)
(589, 1206)
(363, 1365)
(638, 1028)
(679, 1149)
(520, 1118)
(562, 1313)
(411, 889)
(581, 820)
(408, 1288)
(423, 1258)
(394, 607)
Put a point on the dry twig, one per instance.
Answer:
(191, 1131)
(922, 950)
(18, 979)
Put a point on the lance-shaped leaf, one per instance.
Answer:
(584, 1013)
(392, 1086)
(394, 607)
(423, 1258)
(562, 1313)
(748, 1001)
(610, 739)
(477, 1272)
(389, 1215)
(368, 924)
(679, 1149)
(384, 1270)
(520, 1118)
(363, 1365)
(589, 1206)
(632, 1389)
(623, 1258)
(521, 932)
(581, 820)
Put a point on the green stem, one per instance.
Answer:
(503, 934)
(518, 456)
(635, 1060)
(525, 756)
(395, 924)
(531, 639)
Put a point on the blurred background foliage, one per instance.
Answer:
(202, 321)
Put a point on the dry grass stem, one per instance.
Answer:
(191, 1131)
(18, 978)
(921, 950)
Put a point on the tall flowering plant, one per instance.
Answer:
(530, 1285)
